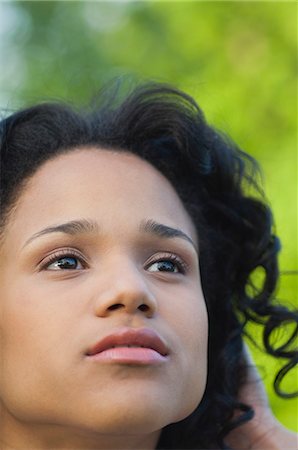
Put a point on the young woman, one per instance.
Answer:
(128, 240)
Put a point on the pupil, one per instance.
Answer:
(67, 263)
(167, 266)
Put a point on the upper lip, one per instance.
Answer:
(142, 337)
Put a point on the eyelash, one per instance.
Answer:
(181, 265)
(179, 262)
(65, 253)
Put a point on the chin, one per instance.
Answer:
(138, 415)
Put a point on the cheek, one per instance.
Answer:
(190, 319)
(20, 335)
(36, 322)
(195, 333)
(30, 336)
(190, 322)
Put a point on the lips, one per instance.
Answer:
(128, 345)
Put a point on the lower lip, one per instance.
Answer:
(130, 355)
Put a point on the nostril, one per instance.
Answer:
(144, 308)
(115, 306)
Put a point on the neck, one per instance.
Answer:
(16, 435)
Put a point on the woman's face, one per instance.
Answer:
(100, 245)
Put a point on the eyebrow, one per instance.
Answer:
(165, 231)
(87, 226)
(73, 227)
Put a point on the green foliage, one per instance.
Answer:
(238, 59)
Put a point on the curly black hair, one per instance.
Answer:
(218, 184)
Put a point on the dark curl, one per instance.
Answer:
(218, 185)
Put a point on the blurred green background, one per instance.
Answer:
(238, 59)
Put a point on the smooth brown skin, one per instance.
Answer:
(263, 432)
(52, 396)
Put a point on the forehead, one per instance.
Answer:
(116, 189)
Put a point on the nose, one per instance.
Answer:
(125, 290)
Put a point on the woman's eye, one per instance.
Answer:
(65, 263)
(165, 265)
